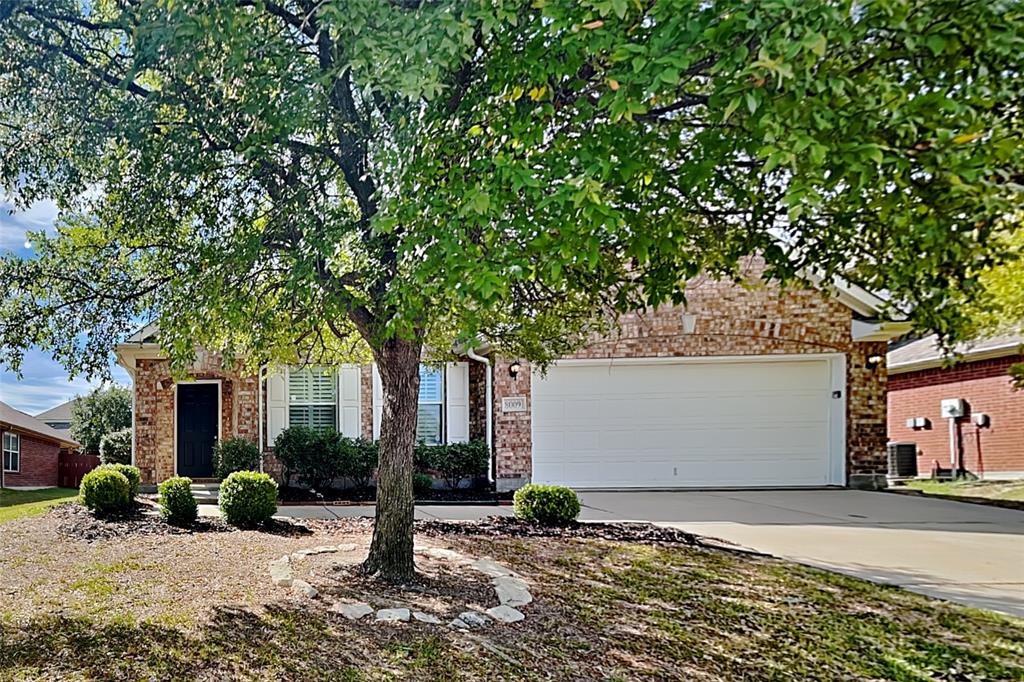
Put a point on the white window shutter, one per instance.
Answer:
(277, 404)
(348, 401)
(457, 402)
(378, 402)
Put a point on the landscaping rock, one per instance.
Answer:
(459, 623)
(491, 568)
(512, 591)
(347, 547)
(322, 549)
(281, 572)
(442, 553)
(505, 614)
(392, 615)
(352, 611)
(425, 617)
(474, 619)
(304, 588)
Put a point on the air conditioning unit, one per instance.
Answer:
(902, 460)
(952, 407)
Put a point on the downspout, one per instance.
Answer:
(259, 393)
(471, 354)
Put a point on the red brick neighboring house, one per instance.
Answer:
(746, 387)
(30, 449)
(988, 439)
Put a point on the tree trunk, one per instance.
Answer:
(390, 555)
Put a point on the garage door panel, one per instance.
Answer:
(747, 423)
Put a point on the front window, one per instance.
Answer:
(431, 404)
(312, 398)
(12, 452)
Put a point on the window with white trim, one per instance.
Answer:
(12, 452)
(430, 416)
(312, 398)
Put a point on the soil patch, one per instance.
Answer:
(76, 522)
(505, 526)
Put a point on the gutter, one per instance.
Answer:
(1009, 350)
(472, 355)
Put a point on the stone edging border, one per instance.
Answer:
(510, 588)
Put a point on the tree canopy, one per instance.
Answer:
(272, 178)
(105, 410)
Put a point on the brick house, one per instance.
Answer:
(748, 386)
(987, 440)
(30, 450)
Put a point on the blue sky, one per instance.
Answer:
(44, 383)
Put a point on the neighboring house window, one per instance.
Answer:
(431, 407)
(12, 452)
(312, 398)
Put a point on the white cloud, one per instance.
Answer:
(15, 226)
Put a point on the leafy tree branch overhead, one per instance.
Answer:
(362, 176)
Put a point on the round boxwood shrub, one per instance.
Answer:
(133, 475)
(116, 447)
(105, 490)
(177, 504)
(248, 498)
(235, 454)
(421, 484)
(551, 505)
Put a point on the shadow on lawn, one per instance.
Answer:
(283, 643)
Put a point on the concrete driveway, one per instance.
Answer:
(963, 552)
(967, 553)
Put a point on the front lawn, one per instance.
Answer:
(15, 504)
(201, 606)
(989, 490)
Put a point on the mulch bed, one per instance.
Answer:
(506, 526)
(76, 522)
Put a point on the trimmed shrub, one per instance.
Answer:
(105, 490)
(248, 498)
(358, 460)
(421, 484)
(313, 456)
(235, 454)
(116, 447)
(133, 475)
(550, 505)
(177, 504)
(458, 461)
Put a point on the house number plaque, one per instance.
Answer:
(515, 403)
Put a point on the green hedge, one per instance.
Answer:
(248, 498)
(550, 505)
(421, 484)
(317, 457)
(455, 462)
(177, 503)
(235, 454)
(133, 475)
(116, 447)
(105, 490)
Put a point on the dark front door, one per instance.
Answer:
(197, 429)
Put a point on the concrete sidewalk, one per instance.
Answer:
(962, 552)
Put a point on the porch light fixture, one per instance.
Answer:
(513, 369)
(874, 361)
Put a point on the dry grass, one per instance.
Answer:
(182, 607)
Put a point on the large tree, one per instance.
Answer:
(318, 178)
(104, 410)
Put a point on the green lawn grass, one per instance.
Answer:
(16, 504)
(990, 490)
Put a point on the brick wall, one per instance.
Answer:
(730, 320)
(986, 388)
(154, 411)
(38, 463)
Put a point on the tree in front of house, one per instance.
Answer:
(105, 410)
(295, 180)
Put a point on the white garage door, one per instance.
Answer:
(734, 423)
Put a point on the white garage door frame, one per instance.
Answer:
(837, 382)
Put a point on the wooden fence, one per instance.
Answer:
(71, 467)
